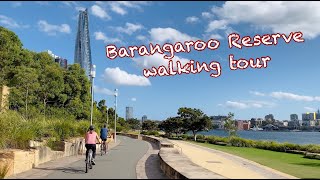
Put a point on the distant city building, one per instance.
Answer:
(61, 61)
(144, 118)
(294, 117)
(269, 117)
(129, 113)
(218, 121)
(308, 116)
(285, 123)
(243, 125)
(82, 54)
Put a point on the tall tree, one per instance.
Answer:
(149, 125)
(194, 120)
(10, 48)
(230, 125)
(172, 125)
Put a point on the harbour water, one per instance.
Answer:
(278, 136)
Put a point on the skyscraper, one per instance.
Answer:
(129, 113)
(82, 54)
(144, 118)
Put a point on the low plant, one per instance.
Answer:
(4, 169)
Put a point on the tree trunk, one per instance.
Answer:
(44, 103)
(194, 135)
(27, 104)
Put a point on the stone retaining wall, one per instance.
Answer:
(174, 164)
(24, 160)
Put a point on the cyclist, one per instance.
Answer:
(90, 141)
(104, 135)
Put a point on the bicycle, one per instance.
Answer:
(89, 160)
(104, 148)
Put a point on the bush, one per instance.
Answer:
(240, 142)
(201, 137)
(19, 130)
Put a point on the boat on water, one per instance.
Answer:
(295, 130)
(256, 129)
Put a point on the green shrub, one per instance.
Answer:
(240, 142)
(201, 137)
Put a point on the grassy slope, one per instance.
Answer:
(293, 164)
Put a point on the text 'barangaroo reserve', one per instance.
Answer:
(172, 67)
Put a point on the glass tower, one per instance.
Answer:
(82, 53)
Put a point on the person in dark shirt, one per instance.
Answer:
(104, 135)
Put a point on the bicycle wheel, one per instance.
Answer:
(101, 149)
(90, 159)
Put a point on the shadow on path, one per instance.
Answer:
(72, 170)
(152, 164)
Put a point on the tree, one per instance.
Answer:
(194, 120)
(230, 125)
(172, 125)
(134, 124)
(25, 80)
(50, 79)
(149, 125)
(10, 48)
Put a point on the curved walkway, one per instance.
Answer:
(127, 159)
(229, 166)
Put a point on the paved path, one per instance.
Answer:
(127, 159)
(148, 166)
(230, 166)
(119, 163)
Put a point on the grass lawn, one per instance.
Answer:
(293, 164)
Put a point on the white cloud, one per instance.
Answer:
(247, 104)
(101, 36)
(53, 29)
(99, 12)
(279, 16)
(116, 7)
(70, 3)
(42, 2)
(105, 91)
(192, 19)
(257, 93)
(133, 99)
(141, 38)
(217, 24)
(79, 8)
(162, 35)
(157, 60)
(10, 23)
(206, 15)
(16, 4)
(120, 77)
(310, 109)
(291, 96)
(121, 7)
(236, 105)
(215, 36)
(129, 28)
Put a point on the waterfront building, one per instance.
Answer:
(293, 117)
(269, 117)
(129, 113)
(218, 121)
(82, 54)
(308, 116)
(243, 124)
(285, 123)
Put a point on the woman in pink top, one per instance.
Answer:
(90, 140)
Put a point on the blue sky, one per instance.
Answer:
(288, 85)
